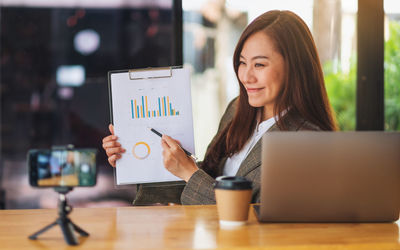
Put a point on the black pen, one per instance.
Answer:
(186, 152)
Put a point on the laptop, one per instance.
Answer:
(330, 177)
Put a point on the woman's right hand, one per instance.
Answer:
(112, 147)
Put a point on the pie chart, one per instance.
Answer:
(141, 150)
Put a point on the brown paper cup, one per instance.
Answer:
(233, 200)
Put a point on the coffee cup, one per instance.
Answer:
(233, 195)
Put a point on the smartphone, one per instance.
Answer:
(62, 167)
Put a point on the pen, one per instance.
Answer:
(186, 152)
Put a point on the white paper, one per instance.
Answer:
(142, 161)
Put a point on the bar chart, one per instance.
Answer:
(161, 107)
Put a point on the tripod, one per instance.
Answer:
(67, 226)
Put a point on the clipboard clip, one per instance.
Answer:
(150, 73)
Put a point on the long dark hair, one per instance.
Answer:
(303, 91)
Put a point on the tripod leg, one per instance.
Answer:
(79, 230)
(35, 235)
(67, 229)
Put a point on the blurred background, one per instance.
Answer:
(55, 55)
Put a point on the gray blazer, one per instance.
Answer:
(199, 189)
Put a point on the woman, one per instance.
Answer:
(281, 89)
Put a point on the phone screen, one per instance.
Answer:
(62, 168)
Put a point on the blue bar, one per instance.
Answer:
(159, 105)
(138, 113)
(154, 113)
(144, 114)
(165, 107)
(148, 113)
(177, 113)
(133, 116)
(170, 109)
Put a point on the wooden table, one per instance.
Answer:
(186, 227)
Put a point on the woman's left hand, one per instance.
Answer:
(175, 159)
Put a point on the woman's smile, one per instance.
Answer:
(254, 90)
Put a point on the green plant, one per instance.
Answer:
(341, 89)
(392, 77)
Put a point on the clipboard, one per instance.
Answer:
(140, 99)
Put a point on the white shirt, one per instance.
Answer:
(233, 163)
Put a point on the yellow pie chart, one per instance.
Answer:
(141, 150)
